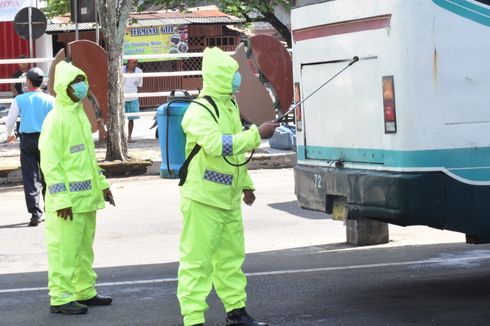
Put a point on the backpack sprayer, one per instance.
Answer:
(281, 118)
(177, 166)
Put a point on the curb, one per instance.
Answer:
(12, 174)
(152, 167)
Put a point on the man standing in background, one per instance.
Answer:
(32, 107)
(131, 86)
(17, 87)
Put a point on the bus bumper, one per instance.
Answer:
(423, 198)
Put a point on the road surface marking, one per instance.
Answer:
(436, 261)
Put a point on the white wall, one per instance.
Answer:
(44, 49)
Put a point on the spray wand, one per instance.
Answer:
(279, 119)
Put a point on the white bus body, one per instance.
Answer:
(403, 135)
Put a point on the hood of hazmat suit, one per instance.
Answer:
(211, 180)
(68, 160)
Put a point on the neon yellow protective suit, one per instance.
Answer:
(73, 179)
(212, 243)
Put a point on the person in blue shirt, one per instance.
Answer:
(17, 88)
(32, 107)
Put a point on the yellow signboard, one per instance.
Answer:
(155, 40)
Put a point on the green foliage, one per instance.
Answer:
(61, 7)
(240, 9)
(56, 7)
(250, 11)
(244, 8)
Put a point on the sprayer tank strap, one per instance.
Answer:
(185, 166)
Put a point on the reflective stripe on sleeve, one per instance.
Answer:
(227, 142)
(56, 188)
(77, 148)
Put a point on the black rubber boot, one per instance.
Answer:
(240, 317)
(70, 308)
(98, 300)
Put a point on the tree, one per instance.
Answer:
(266, 11)
(242, 9)
(57, 7)
(113, 21)
(113, 18)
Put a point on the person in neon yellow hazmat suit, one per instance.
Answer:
(76, 189)
(212, 242)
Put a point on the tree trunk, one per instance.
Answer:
(117, 148)
(113, 20)
(279, 26)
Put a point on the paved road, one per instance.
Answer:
(300, 270)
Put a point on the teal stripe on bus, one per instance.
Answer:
(475, 174)
(466, 9)
(471, 163)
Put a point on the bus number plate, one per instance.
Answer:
(318, 181)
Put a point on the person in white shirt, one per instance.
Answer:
(131, 86)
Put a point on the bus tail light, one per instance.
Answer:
(298, 116)
(389, 104)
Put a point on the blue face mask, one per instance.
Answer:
(80, 89)
(236, 82)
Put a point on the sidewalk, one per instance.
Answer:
(147, 150)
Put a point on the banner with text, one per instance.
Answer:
(8, 8)
(156, 40)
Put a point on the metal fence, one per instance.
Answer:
(154, 93)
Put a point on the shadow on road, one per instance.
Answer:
(291, 207)
(14, 226)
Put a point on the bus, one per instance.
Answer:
(403, 135)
